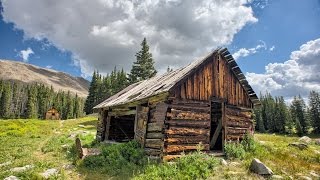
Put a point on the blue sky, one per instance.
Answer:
(262, 34)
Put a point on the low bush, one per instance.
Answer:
(197, 165)
(116, 159)
(239, 150)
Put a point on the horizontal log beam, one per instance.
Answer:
(155, 127)
(187, 140)
(154, 143)
(180, 148)
(189, 123)
(155, 135)
(122, 113)
(187, 131)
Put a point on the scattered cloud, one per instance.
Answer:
(48, 66)
(107, 33)
(24, 54)
(272, 48)
(243, 52)
(298, 75)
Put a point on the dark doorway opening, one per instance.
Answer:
(216, 126)
(121, 128)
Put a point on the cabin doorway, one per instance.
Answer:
(121, 128)
(216, 135)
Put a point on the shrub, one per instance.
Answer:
(248, 143)
(234, 150)
(116, 159)
(197, 165)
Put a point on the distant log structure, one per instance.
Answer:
(52, 114)
(208, 102)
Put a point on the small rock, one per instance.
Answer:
(68, 166)
(312, 173)
(317, 141)
(223, 162)
(11, 178)
(234, 164)
(259, 168)
(65, 146)
(49, 172)
(305, 178)
(22, 169)
(305, 139)
(262, 142)
(276, 177)
(301, 146)
(5, 163)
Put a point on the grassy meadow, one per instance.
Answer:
(50, 144)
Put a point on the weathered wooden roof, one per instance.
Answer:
(163, 83)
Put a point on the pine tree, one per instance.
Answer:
(92, 96)
(5, 101)
(143, 68)
(259, 120)
(31, 106)
(298, 112)
(314, 111)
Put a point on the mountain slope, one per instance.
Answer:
(27, 73)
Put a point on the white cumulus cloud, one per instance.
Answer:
(24, 54)
(104, 33)
(298, 75)
(244, 52)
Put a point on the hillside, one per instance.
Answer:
(27, 73)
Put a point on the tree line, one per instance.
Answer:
(19, 100)
(275, 116)
(102, 87)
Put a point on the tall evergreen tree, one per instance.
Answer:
(314, 111)
(92, 96)
(5, 101)
(32, 103)
(298, 111)
(143, 68)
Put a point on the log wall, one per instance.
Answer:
(187, 124)
(238, 122)
(213, 79)
(155, 129)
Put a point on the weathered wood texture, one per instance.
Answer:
(187, 124)
(155, 128)
(101, 126)
(238, 123)
(213, 79)
(141, 121)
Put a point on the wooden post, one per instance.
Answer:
(107, 130)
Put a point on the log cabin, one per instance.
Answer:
(207, 102)
(52, 114)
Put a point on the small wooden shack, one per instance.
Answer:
(208, 102)
(52, 114)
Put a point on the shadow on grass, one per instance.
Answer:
(89, 123)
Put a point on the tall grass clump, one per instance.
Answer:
(118, 159)
(197, 165)
(241, 149)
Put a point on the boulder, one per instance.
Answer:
(49, 172)
(305, 178)
(223, 162)
(317, 141)
(301, 146)
(22, 169)
(5, 163)
(11, 178)
(277, 177)
(305, 139)
(259, 168)
(312, 173)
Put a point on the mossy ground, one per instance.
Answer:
(49, 144)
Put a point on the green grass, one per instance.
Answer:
(47, 144)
